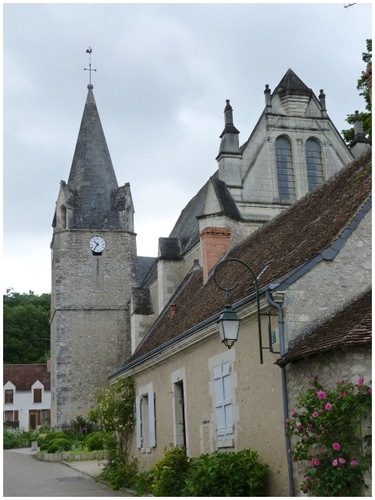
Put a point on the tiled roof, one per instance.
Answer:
(286, 243)
(24, 376)
(352, 326)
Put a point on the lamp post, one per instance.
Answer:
(229, 322)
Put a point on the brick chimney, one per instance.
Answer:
(214, 242)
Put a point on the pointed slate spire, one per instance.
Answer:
(92, 180)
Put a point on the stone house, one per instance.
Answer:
(27, 395)
(313, 266)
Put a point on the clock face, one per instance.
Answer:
(97, 244)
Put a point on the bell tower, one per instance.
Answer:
(94, 267)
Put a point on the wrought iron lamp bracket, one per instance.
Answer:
(228, 289)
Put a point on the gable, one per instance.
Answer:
(352, 326)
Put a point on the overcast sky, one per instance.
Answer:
(163, 74)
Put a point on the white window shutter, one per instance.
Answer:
(138, 420)
(151, 419)
(223, 400)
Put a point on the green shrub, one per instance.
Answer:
(51, 436)
(121, 475)
(62, 444)
(96, 440)
(18, 438)
(221, 474)
(169, 472)
(53, 448)
(143, 483)
(44, 447)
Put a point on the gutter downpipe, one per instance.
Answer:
(283, 388)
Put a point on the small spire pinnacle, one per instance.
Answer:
(88, 51)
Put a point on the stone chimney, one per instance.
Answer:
(214, 242)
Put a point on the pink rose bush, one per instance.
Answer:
(326, 425)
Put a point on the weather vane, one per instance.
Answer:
(88, 51)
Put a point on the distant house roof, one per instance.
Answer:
(314, 228)
(24, 376)
(352, 326)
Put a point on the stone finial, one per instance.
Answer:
(358, 128)
(228, 113)
(267, 93)
(322, 99)
(360, 142)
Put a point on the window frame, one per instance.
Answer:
(318, 172)
(145, 421)
(37, 391)
(9, 392)
(223, 404)
(286, 183)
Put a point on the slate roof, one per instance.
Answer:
(284, 245)
(24, 376)
(292, 83)
(185, 233)
(352, 326)
(92, 180)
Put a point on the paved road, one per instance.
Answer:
(26, 477)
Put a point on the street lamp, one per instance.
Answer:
(229, 322)
(229, 325)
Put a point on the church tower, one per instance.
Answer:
(94, 267)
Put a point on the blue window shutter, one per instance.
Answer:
(151, 419)
(138, 420)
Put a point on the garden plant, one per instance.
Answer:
(331, 430)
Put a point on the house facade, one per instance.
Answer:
(27, 395)
(311, 261)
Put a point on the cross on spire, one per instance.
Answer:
(88, 51)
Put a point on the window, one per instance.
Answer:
(314, 163)
(63, 216)
(44, 417)
(284, 165)
(37, 395)
(223, 402)
(9, 396)
(179, 413)
(145, 414)
(8, 416)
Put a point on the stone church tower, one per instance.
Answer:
(94, 267)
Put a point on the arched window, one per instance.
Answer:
(63, 216)
(314, 163)
(284, 164)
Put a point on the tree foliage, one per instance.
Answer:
(26, 327)
(362, 86)
(115, 411)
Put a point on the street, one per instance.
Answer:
(23, 476)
